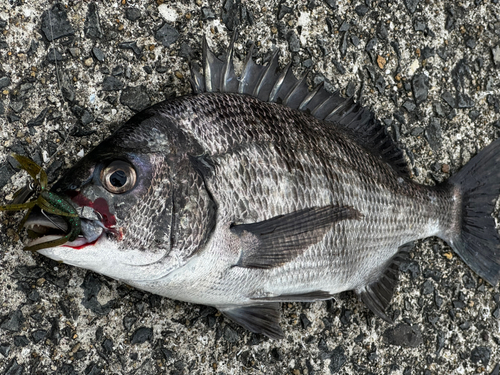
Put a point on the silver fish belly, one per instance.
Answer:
(255, 191)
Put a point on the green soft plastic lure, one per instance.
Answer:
(47, 201)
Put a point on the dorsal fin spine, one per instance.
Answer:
(267, 84)
(229, 77)
(349, 102)
(309, 96)
(296, 86)
(245, 86)
(269, 75)
(206, 66)
(319, 106)
(273, 95)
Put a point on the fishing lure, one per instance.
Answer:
(47, 201)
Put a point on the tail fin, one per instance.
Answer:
(476, 240)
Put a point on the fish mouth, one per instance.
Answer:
(44, 228)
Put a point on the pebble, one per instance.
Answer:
(380, 83)
(91, 286)
(38, 335)
(4, 349)
(464, 100)
(136, 98)
(381, 61)
(438, 300)
(409, 106)
(411, 5)
(5, 174)
(75, 52)
(355, 40)
(92, 26)
(131, 46)
(343, 44)
(495, 53)
(21, 341)
(167, 35)
(68, 89)
(449, 99)
(128, 322)
(361, 10)
(13, 368)
(332, 4)
(83, 115)
(350, 89)
(142, 335)
(107, 345)
(344, 27)
(132, 14)
(480, 354)
(13, 322)
(420, 87)
(419, 25)
(471, 43)
(382, 32)
(231, 14)
(98, 54)
(370, 46)
(304, 321)
(427, 52)
(111, 83)
(337, 359)
(433, 133)
(283, 10)
(4, 82)
(427, 287)
(207, 13)
(230, 335)
(54, 55)
(293, 42)
(16, 106)
(168, 13)
(404, 335)
(55, 23)
(117, 70)
(496, 313)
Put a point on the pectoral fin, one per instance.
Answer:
(271, 243)
(261, 318)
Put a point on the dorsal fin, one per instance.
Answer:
(268, 84)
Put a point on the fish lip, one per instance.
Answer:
(50, 227)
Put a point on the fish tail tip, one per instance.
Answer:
(474, 236)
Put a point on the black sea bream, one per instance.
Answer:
(254, 191)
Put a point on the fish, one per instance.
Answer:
(254, 190)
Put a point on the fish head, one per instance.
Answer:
(140, 203)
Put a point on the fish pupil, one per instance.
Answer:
(118, 179)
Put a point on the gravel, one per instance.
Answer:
(71, 72)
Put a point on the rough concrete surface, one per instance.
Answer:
(72, 71)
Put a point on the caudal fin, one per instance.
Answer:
(475, 238)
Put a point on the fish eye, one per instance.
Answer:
(118, 177)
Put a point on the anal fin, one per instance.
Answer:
(260, 318)
(377, 295)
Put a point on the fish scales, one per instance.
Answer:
(254, 191)
(285, 148)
